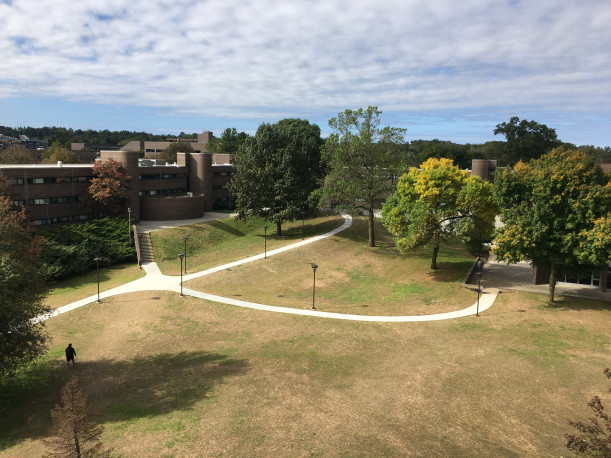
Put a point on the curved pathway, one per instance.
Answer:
(156, 281)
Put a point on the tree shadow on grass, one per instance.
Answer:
(566, 303)
(118, 390)
(217, 224)
(88, 278)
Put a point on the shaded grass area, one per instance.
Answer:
(185, 377)
(221, 241)
(351, 277)
(72, 289)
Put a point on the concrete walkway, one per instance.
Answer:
(518, 277)
(156, 281)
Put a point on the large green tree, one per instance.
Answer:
(526, 140)
(21, 289)
(439, 200)
(362, 159)
(556, 212)
(277, 170)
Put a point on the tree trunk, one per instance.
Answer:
(552, 281)
(372, 242)
(435, 251)
(279, 228)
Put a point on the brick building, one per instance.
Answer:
(57, 194)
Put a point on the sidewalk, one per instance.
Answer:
(156, 281)
(518, 277)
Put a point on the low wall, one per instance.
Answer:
(171, 208)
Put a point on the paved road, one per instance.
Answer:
(156, 281)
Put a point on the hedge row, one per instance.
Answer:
(70, 250)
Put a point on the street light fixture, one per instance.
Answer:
(480, 270)
(265, 229)
(314, 267)
(181, 255)
(185, 238)
(129, 224)
(97, 262)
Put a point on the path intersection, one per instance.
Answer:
(156, 281)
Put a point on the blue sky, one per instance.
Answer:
(439, 68)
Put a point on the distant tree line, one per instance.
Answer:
(524, 140)
(66, 136)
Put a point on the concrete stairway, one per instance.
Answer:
(146, 248)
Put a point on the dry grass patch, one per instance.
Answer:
(72, 289)
(185, 377)
(351, 277)
(218, 242)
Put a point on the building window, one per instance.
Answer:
(81, 179)
(19, 203)
(36, 180)
(18, 180)
(38, 201)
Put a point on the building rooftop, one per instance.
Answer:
(44, 166)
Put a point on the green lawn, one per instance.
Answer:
(69, 290)
(351, 277)
(185, 377)
(217, 242)
(172, 376)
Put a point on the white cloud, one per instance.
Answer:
(238, 59)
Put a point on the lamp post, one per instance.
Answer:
(265, 255)
(129, 224)
(181, 255)
(185, 238)
(314, 267)
(480, 269)
(302, 224)
(97, 262)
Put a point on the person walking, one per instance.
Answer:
(70, 354)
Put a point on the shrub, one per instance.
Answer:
(70, 250)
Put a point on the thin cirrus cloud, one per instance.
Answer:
(233, 59)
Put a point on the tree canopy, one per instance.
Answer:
(16, 154)
(229, 142)
(56, 152)
(556, 212)
(109, 184)
(362, 160)
(526, 140)
(21, 289)
(170, 153)
(276, 171)
(436, 201)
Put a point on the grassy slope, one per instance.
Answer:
(72, 289)
(351, 277)
(221, 241)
